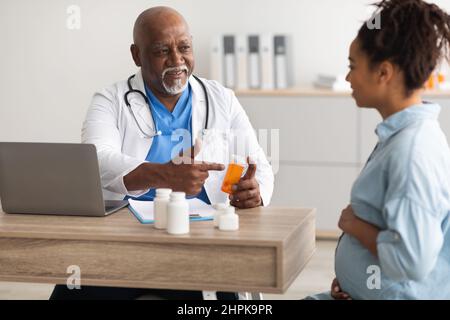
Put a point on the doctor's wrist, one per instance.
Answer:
(156, 175)
(146, 176)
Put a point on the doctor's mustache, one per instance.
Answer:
(175, 70)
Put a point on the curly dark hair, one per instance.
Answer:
(414, 35)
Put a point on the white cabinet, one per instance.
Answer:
(311, 129)
(319, 153)
(444, 117)
(325, 140)
(326, 188)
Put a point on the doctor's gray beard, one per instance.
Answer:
(178, 87)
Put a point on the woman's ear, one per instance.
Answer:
(385, 72)
(135, 54)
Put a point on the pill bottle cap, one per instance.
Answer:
(174, 196)
(229, 210)
(221, 206)
(235, 158)
(162, 192)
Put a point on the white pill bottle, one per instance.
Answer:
(160, 207)
(229, 220)
(178, 214)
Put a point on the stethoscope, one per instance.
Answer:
(158, 132)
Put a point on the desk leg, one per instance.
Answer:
(256, 296)
(243, 296)
(250, 296)
(212, 295)
(209, 295)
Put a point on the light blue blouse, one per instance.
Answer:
(404, 190)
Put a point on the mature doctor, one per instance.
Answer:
(136, 143)
(140, 126)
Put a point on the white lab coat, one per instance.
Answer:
(121, 146)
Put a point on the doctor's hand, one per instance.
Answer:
(185, 174)
(181, 174)
(246, 192)
(189, 178)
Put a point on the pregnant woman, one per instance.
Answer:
(396, 240)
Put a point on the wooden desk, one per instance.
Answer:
(265, 255)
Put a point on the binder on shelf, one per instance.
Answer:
(241, 62)
(216, 59)
(254, 62)
(283, 61)
(267, 62)
(229, 48)
(329, 79)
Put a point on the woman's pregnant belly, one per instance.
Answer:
(356, 268)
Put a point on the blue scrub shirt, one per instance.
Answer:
(167, 122)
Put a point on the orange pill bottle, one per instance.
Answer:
(232, 176)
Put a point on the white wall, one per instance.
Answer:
(48, 73)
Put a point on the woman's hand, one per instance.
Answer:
(337, 293)
(347, 219)
(365, 232)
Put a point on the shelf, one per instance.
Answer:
(293, 92)
(437, 93)
(313, 92)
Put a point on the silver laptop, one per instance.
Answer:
(52, 178)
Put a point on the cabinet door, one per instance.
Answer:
(444, 117)
(312, 129)
(325, 188)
